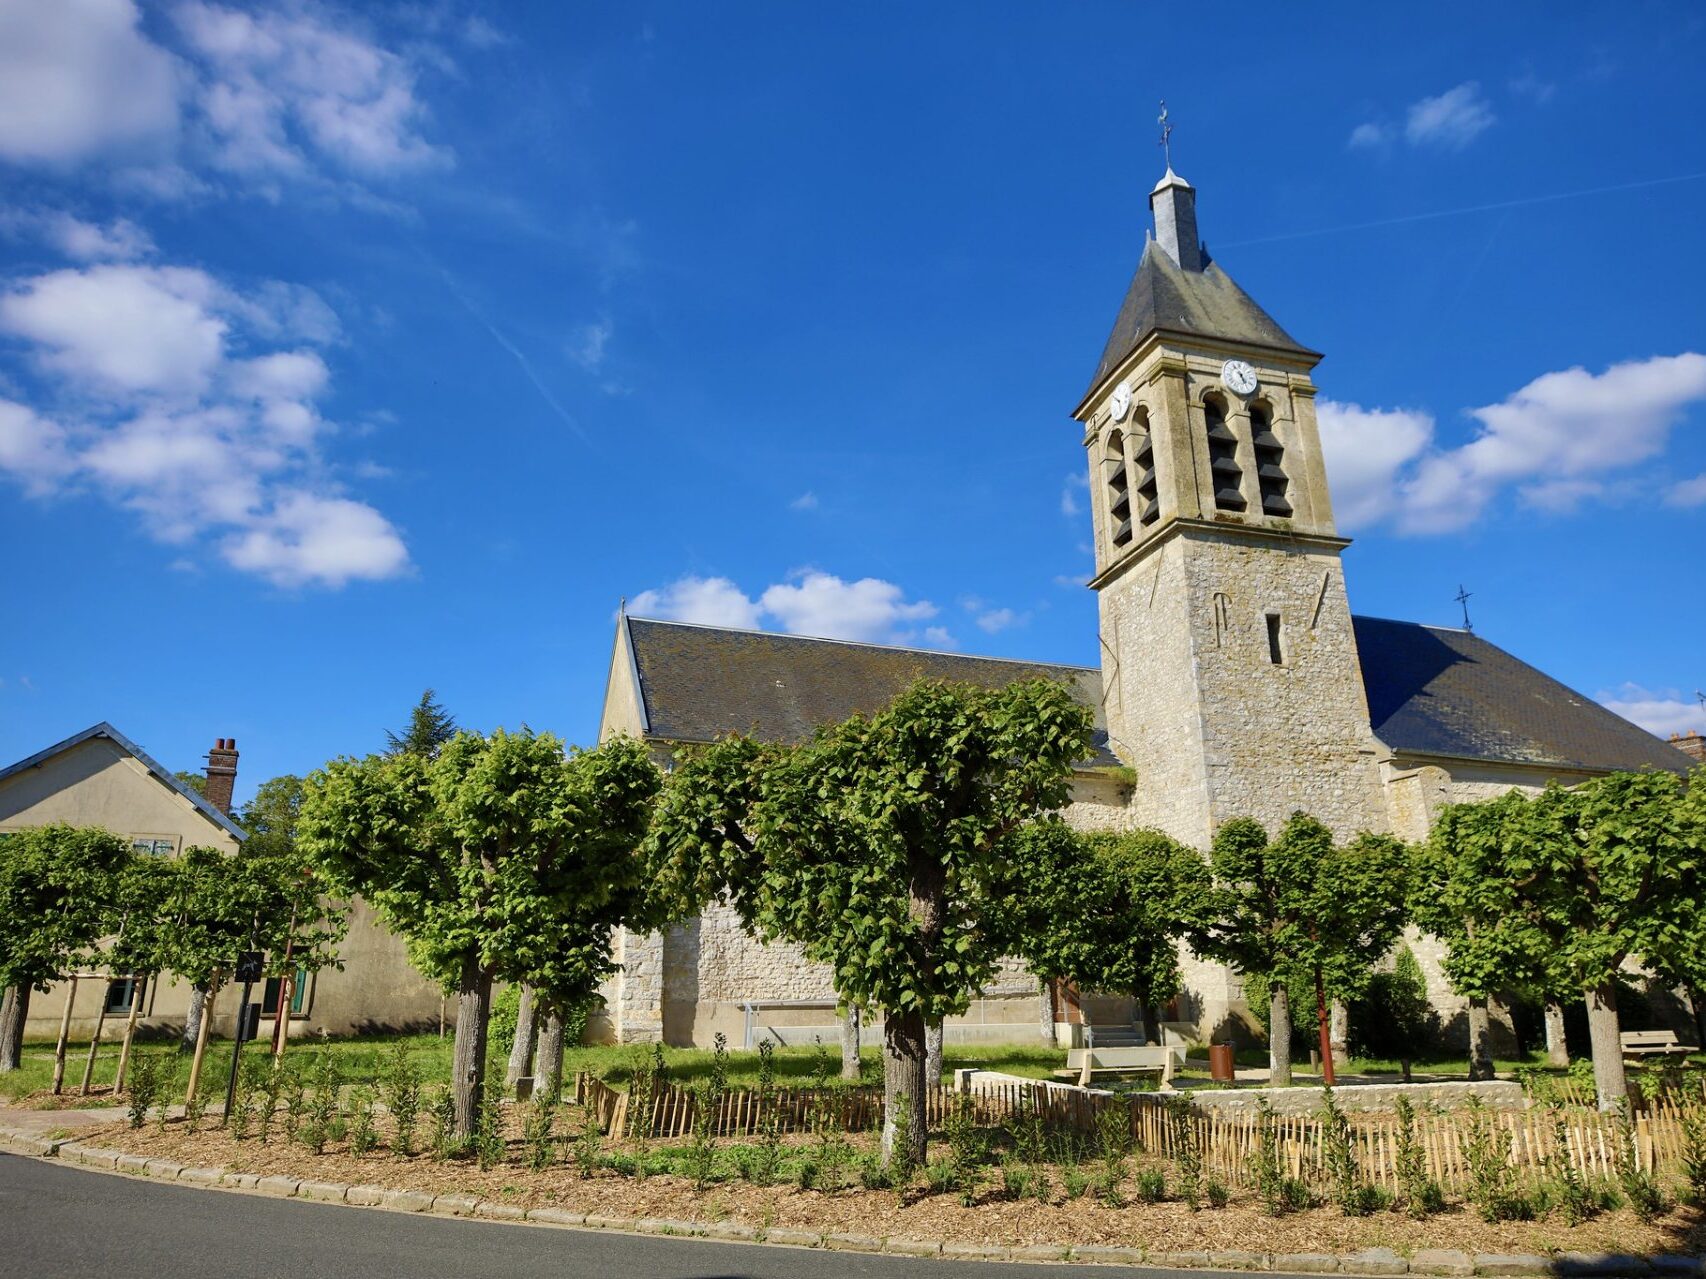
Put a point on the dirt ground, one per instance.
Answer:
(993, 1220)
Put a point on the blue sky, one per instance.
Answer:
(346, 351)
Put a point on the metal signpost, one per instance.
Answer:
(248, 972)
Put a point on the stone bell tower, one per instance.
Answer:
(1229, 666)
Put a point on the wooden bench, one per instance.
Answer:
(1083, 1064)
(1652, 1043)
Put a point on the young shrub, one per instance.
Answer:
(1421, 1194)
(321, 1111)
(966, 1148)
(1113, 1140)
(295, 1100)
(1186, 1152)
(363, 1133)
(588, 1145)
(1568, 1188)
(401, 1090)
(265, 1081)
(1015, 1177)
(1694, 1152)
(702, 1145)
(441, 1105)
(1152, 1185)
(1030, 1144)
(1075, 1181)
(1218, 1195)
(147, 1083)
(1270, 1180)
(489, 1145)
(537, 1121)
(1492, 1188)
(764, 1163)
(1350, 1192)
(1639, 1186)
(195, 1108)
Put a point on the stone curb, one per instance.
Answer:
(1369, 1261)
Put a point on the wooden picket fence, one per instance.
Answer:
(1228, 1142)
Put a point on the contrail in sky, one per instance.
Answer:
(1524, 202)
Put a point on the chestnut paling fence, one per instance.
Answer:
(1228, 1142)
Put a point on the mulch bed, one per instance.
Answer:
(993, 1221)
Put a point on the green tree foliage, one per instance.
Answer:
(58, 885)
(1394, 1018)
(430, 728)
(1613, 869)
(1297, 907)
(195, 781)
(498, 858)
(878, 846)
(1103, 911)
(1471, 879)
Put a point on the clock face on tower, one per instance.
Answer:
(1120, 403)
(1239, 377)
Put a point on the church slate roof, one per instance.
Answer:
(1431, 691)
(1436, 691)
(701, 681)
(1202, 303)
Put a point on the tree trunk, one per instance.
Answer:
(64, 1037)
(850, 1046)
(548, 1070)
(1045, 1011)
(14, 1012)
(933, 1055)
(1324, 1031)
(468, 1053)
(138, 993)
(94, 1048)
(1339, 1020)
(203, 1026)
(903, 1083)
(1480, 1040)
(1609, 1081)
(1279, 1037)
(1696, 1001)
(1557, 1050)
(192, 1018)
(526, 1034)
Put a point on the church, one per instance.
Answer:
(1234, 678)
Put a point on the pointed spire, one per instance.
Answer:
(1174, 204)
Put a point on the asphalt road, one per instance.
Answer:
(61, 1221)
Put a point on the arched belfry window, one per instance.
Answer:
(1145, 495)
(1223, 458)
(1270, 462)
(1116, 477)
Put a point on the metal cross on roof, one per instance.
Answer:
(1463, 599)
(1166, 134)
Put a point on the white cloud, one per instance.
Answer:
(1369, 135)
(118, 241)
(167, 403)
(280, 86)
(1452, 120)
(1660, 712)
(1531, 86)
(709, 601)
(818, 603)
(810, 602)
(588, 343)
(1001, 619)
(938, 637)
(1554, 443)
(1688, 492)
(78, 79)
(1075, 484)
(804, 502)
(481, 34)
(1366, 449)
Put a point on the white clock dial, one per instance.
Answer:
(1238, 376)
(1120, 404)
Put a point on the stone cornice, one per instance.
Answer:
(1230, 531)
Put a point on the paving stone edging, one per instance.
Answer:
(1369, 1261)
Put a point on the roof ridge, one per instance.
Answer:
(829, 639)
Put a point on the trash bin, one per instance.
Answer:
(1220, 1068)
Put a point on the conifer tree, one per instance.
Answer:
(430, 727)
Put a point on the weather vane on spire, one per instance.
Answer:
(1463, 599)
(1166, 134)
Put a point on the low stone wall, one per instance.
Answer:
(1498, 1094)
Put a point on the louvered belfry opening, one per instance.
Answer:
(1223, 459)
(1119, 490)
(1145, 495)
(1270, 463)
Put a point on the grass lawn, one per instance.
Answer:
(365, 1058)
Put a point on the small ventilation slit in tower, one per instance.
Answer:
(1276, 650)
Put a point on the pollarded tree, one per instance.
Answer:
(1103, 911)
(1296, 909)
(1616, 868)
(498, 858)
(57, 887)
(1469, 892)
(876, 846)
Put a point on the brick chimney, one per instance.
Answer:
(222, 773)
(1690, 744)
